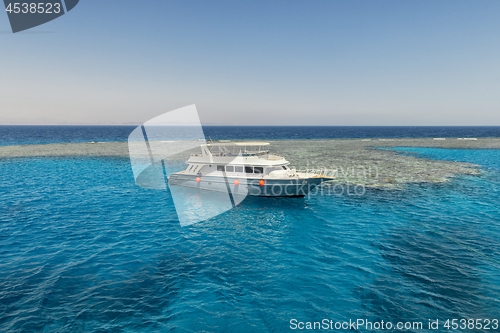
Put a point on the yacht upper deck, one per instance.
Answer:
(254, 152)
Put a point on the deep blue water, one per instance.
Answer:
(83, 249)
(10, 135)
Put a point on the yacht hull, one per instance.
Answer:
(293, 187)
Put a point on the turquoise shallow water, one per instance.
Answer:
(84, 249)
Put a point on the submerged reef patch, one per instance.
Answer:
(353, 161)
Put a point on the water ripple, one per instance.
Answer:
(84, 249)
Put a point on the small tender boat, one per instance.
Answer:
(244, 168)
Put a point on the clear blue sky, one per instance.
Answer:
(257, 63)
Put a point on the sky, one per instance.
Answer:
(331, 62)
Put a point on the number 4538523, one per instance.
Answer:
(470, 324)
(33, 8)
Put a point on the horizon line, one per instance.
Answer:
(212, 125)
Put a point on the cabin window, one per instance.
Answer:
(238, 169)
(220, 168)
(229, 168)
(248, 169)
(258, 170)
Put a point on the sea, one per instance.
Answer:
(12, 135)
(83, 249)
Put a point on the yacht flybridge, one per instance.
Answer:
(244, 168)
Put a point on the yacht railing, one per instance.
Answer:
(263, 155)
(323, 171)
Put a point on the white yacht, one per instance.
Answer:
(244, 168)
